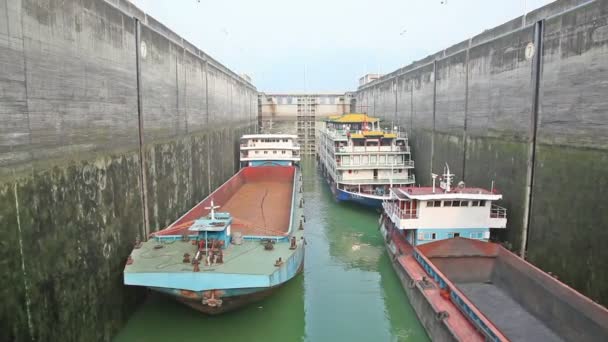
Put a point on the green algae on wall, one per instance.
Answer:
(13, 311)
(183, 171)
(504, 162)
(77, 225)
(568, 231)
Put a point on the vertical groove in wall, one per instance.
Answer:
(434, 112)
(177, 113)
(374, 106)
(466, 111)
(25, 88)
(411, 107)
(206, 68)
(396, 91)
(536, 79)
(140, 119)
(185, 90)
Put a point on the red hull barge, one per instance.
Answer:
(469, 290)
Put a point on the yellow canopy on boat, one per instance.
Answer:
(353, 118)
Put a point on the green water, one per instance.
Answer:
(348, 291)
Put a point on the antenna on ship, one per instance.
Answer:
(434, 176)
(446, 184)
(212, 208)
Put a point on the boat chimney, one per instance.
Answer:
(434, 176)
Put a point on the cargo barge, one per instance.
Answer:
(360, 161)
(464, 288)
(236, 246)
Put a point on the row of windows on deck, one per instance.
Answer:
(456, 203)
(270, 140)
(273, 152)
(372, 159)
(433, 236)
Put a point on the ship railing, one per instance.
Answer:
(380, 181)
(498, 212)
(405, 163)
(172, 238)
(347, 149)
(481, 323)
(393, 209)
(386, 181)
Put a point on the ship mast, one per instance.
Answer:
(212, 208)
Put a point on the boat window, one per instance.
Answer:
(464, 203)
(455, 203)
(382, 159)
(482, 203)
(265, 152)
(433, 236)
(450, 235)
(274, 152)
(283, 152)
(373, 159)
(433, 203)
(474, 203)
(447, 203)
(456, 234)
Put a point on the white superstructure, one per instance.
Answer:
(426, 214)
(273, 149)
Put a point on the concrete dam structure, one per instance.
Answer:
(112, 127)
(525, 104)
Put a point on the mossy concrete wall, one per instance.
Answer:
(523, 104)
(111, 127)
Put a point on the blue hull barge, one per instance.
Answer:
(236, 246)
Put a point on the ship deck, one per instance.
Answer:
(248, 258)
(457, 322)
(263, 202)
(260, 208)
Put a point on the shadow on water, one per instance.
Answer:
(348, 292)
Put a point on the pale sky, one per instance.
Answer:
(331, 42)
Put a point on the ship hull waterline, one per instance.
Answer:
(435, 329)
(233, 303)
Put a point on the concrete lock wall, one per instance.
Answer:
(523, 104)
(88, 88)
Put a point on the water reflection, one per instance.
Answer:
(352, 292)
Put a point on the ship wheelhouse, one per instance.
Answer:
(426, 214)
